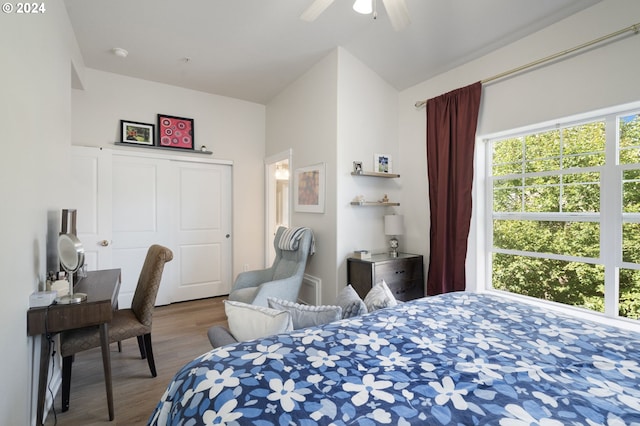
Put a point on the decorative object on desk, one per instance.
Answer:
(309, 189)
(358, 199)
(69, 221)
(61, 287)
(41, 298)
(357, 167)
(175, 132)
(393, 225)
(381, 163)
(361, 254)
(71, 255)
(137, 133)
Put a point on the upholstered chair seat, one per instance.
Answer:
(123, 326)
(126, 323)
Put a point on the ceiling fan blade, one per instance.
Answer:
(398, 13)
(316, 8)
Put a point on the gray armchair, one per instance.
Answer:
(282, 280)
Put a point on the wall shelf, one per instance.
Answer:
(376, 174)
(374, 203)
(192, 151)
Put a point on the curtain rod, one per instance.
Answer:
(635, 28)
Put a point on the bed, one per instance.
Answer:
(455, 359)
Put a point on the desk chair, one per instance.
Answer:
(126, 323)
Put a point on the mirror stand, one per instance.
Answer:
(71, 254)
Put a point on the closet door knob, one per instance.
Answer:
(104, 243)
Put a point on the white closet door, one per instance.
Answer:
(91, 197)
(128, 201)
(203, 233)
(141, 217)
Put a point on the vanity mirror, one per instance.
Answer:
(71, 255)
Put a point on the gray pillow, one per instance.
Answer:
(350, 302)
(380, 296)
(303, 316)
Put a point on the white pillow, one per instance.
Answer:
(380, 296)
(247, 322)
(303, 316)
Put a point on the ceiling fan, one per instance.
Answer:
(396, 9)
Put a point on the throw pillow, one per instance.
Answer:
(303, 316)
(352, 305)
(247, 322)
(380, 296)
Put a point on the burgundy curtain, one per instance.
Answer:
(451, 128)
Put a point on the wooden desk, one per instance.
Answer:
(102, 289)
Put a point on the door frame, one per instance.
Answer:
(270, 200)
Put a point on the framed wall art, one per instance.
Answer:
(381, 163)
(309, 189)
(137, 133)
(175, 132)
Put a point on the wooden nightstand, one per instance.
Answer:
(403, 274)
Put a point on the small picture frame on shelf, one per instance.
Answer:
(175, 132)
(137, 133)
(357, 167)
(382, 163)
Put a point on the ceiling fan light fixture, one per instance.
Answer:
(364, 7)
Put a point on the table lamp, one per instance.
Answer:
(393, 225)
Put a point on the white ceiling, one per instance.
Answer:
(253, 49)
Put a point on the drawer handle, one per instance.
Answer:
(400, 272)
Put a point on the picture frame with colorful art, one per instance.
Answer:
(137, 133)
(175, 132)
(309, 189)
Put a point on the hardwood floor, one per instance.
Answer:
(179, 335)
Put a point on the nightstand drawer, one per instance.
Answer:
(401, 270)
(407, 290)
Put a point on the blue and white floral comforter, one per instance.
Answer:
(455, 359)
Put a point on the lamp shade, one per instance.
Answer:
(363, 6)
(394, 224)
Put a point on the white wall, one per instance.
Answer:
(303, 118)
(35, 106)
(233, 129)
(367, 125)
(600, 77)
(338, 112)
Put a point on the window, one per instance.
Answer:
(565, 213)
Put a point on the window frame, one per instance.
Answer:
(610, 217)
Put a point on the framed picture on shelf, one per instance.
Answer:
(382, 163)
(175, 132)
(137, 133)
(309, 189)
